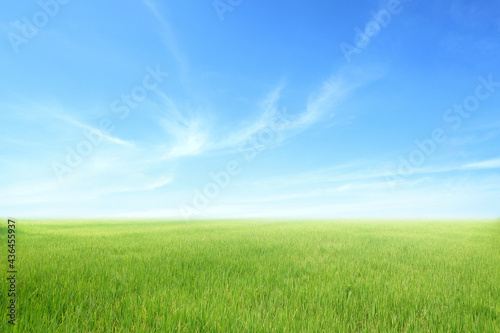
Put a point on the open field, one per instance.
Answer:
(255, 276)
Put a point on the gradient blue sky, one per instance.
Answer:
(349, 122)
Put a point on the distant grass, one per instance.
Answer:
(253, 276)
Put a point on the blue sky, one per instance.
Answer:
(320, 109)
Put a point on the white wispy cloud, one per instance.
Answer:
(319, 103)
(448, 198)
(169, 39)
(27, 143)
(193, 135)
(162, 181)
(85, 185)
(106, 136)
(487, 164)
(284, 126)
(269, 110)
(187, 129)
(330, 93)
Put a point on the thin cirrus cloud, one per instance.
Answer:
(70, 120)
(87, 188)
(194, 136)
(191, 131)
(369, 199)
(170, 40)
(487, 164)
(187, 129)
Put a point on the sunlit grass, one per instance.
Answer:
(302, 276)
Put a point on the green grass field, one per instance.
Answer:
(255, 276)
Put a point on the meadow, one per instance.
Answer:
(254, 276)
